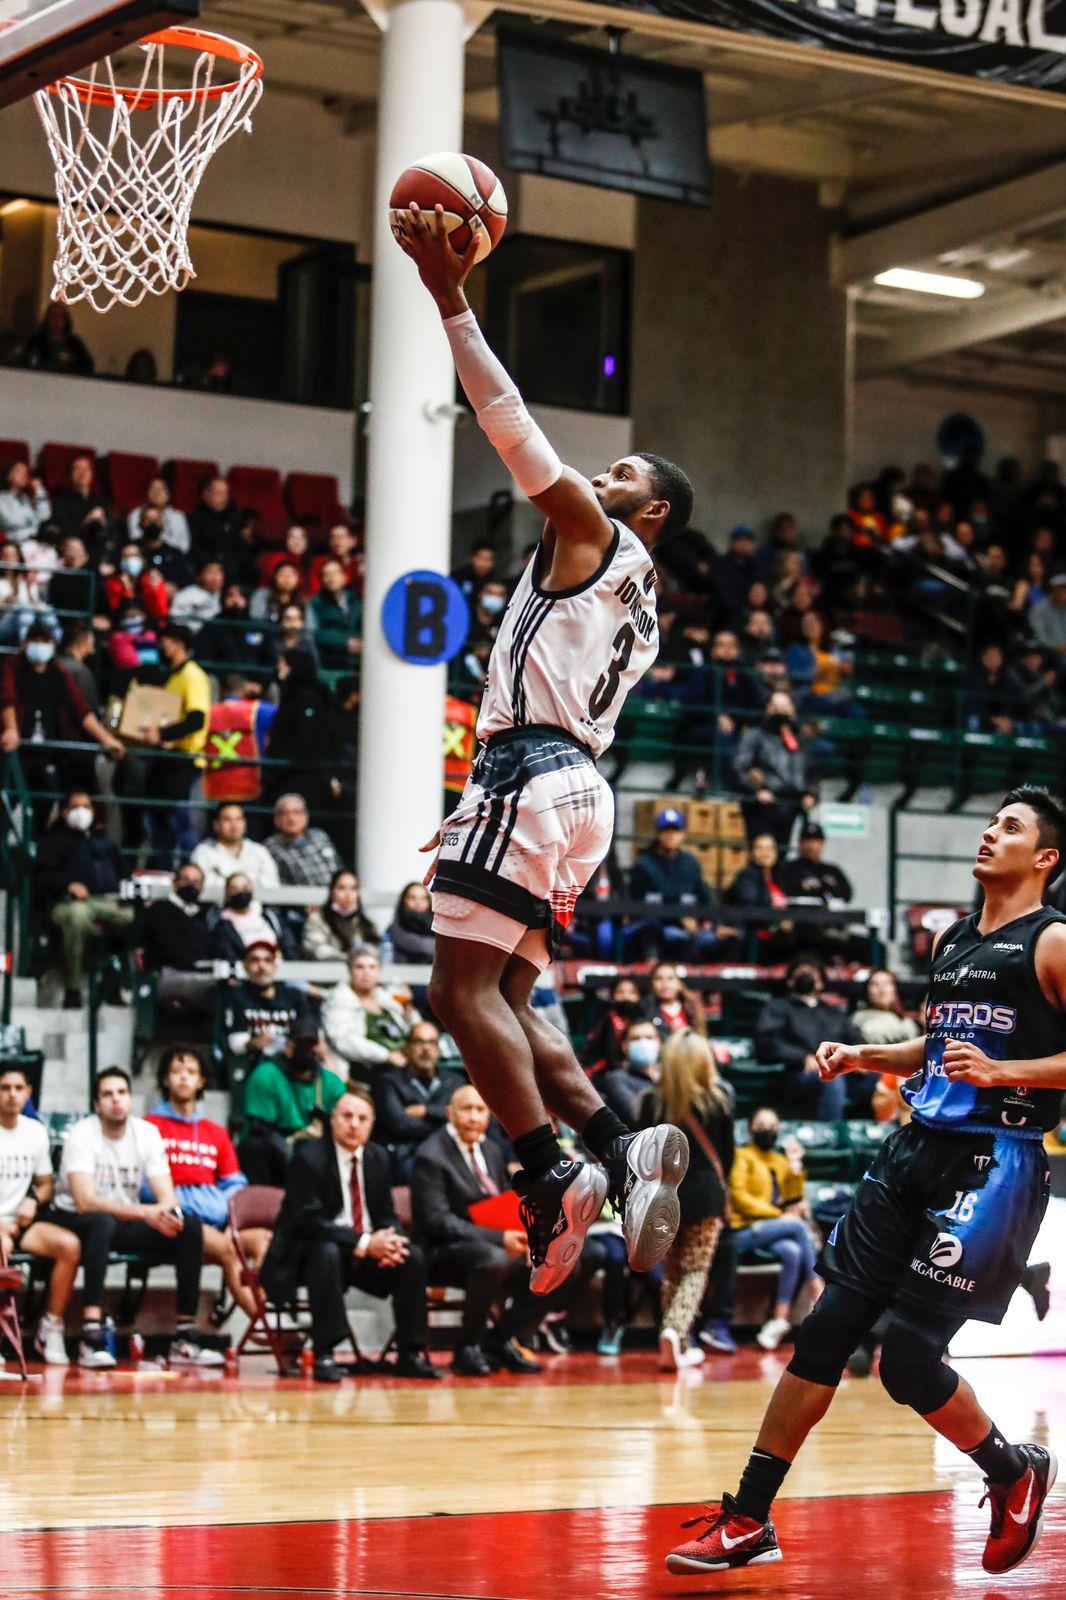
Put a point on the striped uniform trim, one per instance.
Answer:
(532, 616)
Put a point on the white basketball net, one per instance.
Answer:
(125, 197)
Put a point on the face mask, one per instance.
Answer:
(132, 566)
(777, 721)
(764, 1138)
(804, 983)
(493, 604)
(241, 900)
(626, 1008)
(189, 893)
(643, 1052)
(80, 818)
(39, 652)
(303, 1058)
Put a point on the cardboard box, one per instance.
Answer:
(731, 859)
(730, 827)
(146, 707)
(646, 811)
(703, 819)
(707, 856)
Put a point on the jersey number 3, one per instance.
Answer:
(605, 691)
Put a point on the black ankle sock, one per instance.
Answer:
(1000, 1461)
(601, 1130)
(537, 1150)
(763, 1477)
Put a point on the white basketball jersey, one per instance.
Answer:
(568, 659)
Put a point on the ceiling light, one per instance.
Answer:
(931, 283)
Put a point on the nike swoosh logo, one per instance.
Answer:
(1019, 1516)
(729, 1544)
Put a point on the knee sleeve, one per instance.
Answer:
(913, 1370)
(826, 1338)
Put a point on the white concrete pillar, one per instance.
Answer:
(409, 457)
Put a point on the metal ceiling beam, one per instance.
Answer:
(925, 338)
(1038, 197)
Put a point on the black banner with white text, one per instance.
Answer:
(1002, 41)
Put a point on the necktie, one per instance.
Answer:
(358, 1219)
(481, 1171)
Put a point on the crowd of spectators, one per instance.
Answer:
(344, 1088)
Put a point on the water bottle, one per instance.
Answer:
(230, 1361)
(108, 1332)
(307, 1362)
(136, 1348)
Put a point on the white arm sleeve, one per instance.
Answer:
(500, 409)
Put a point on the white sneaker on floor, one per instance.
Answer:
(51, 1342)
(771, 1333)
(190, 1353)
(95, 1357)
(672, 1358)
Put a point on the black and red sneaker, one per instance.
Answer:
(728, 1540)
(1017, 1510)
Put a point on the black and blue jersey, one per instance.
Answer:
(983, 988)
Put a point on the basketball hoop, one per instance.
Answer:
(125, 189)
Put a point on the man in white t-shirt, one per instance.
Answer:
(26, 1187)
(107, 1160)
(231, 851)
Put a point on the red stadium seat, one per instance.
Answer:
(55, 460)
(185, 478)
(313, 499)
(258, 489)
(13, 450)
(128, 477)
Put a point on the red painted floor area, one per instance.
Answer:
(875, 1547)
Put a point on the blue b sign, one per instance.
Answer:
(426, 618)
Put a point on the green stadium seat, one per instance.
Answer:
(826, 1148)
(866, 1139)
(755, 1084)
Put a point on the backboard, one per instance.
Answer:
(40, 40)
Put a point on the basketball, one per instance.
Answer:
(469, 191)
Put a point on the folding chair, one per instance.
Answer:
(11, 1284)
(257, 1206)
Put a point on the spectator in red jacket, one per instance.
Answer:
(137, 580)
(341, 545)
(204, 1167)
(296, 547)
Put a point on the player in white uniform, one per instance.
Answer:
(536, 818)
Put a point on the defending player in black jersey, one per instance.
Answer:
(941, 1226)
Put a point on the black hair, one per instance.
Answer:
(668, 482)
(39, 629)
(7, 1067)
(224, 805)
(179, 632)
(1050, 813)
(174, 1052)
(73, 631)
(110, 1072)
(804, 959)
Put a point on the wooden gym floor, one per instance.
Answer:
(146, 1484)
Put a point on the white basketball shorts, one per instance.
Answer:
(534, 823)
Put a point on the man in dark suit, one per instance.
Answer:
(412, 1101)
(453, 1169)
(337, 1229)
